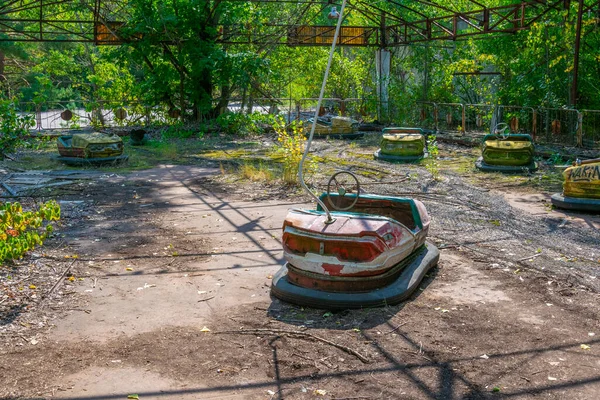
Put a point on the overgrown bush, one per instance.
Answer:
(292, 142)
(14, 127)
(243, 124)
(21, 231)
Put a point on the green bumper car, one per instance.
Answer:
(335, 128)
(507, 152)
(402, 145)
(90, 148)
(581, 189)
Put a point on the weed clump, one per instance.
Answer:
(432, 163)
(291, 143)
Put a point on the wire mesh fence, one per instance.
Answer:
(478, 118)
(590, 128)
(451, 117)
(557, 126)
(518, 119)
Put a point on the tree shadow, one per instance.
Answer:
(9, 315)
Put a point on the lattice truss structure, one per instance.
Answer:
(390, 22)
(56, 20)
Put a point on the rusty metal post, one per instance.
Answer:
(38, 116)
(147, 112)
(579, 129)
(574, 91)
(534, 124)
(2, 63)
(464, 120)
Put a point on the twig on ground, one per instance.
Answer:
(537, 372)
(300, 335)
(416, 353)
(21, 280)
(383, 183)
(65, 272)
(206, 299)
(529, 258)
(396, 328)
(72, 309)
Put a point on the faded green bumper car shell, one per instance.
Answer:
(402, 145)
(335, 128)
(90, 148)
(511, 153)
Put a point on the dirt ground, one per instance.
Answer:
(169, 296)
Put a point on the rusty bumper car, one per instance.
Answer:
(90, 148)
(581, 188)
(372, 252)
(507, 152)
(402, 145)
(336, 128)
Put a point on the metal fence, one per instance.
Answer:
(478, 118)
(546, 125)
(557, 125)
(590, 128)
(74, 115)
(519, 119)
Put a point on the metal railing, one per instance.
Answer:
(590, 128)
(546, 125)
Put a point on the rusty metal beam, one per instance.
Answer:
(574, 91)
(50, 25)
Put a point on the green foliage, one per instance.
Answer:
(13, 127)
(238, 124)
(179, 131)
(171, 59)
(292, 141)
(21, 231)
(556, 159)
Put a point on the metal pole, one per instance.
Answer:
(314, 124)
(574, 92)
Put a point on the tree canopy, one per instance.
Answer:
(172, 54)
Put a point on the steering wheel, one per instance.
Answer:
(343, 182)
(500, 130)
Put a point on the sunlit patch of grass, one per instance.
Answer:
(164, 150)
(256, 173)
(368, 156)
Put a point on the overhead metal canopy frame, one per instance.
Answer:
(391, 22)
